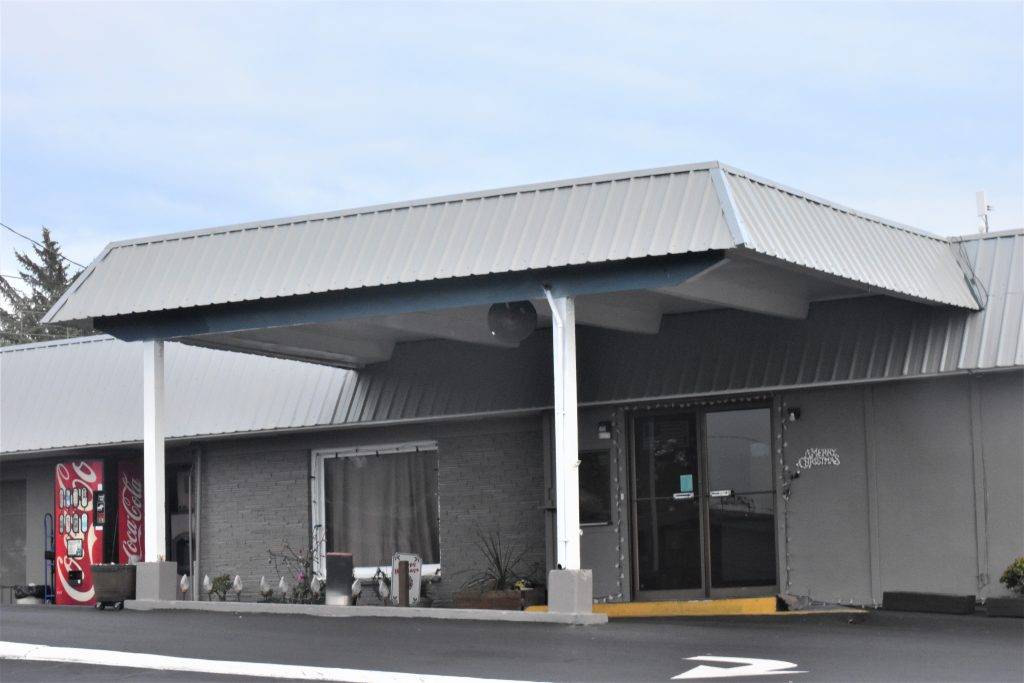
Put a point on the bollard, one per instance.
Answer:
(403, 583)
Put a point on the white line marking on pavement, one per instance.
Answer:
(751, 667)
(29, 652)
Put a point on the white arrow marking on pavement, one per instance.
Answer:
(28, 652)
(752, 667)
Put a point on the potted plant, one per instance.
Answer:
(1013, 579)
(501, 584)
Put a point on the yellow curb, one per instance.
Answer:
(682, 608)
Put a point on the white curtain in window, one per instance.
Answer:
(377, 505)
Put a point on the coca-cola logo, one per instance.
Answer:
(131, 506)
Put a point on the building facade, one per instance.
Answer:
(768, 431)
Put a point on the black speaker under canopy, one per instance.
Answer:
(512, 321)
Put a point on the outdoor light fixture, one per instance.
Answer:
(512, 321)
(792, 414)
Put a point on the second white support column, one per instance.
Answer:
(567, 488)
(153, 450)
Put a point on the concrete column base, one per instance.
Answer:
(156, 581)
(571, 591)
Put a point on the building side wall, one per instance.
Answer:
(1001, 419)
(252, 500)
(926, 495)
(255, 495)
(490, 483)
(825, 548)
(38, 479)
(925, 484)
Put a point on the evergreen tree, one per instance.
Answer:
(45, 273)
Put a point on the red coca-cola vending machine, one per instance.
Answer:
(82, 510)
(130, 536)
(80, 513)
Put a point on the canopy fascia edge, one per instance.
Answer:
(433, 295)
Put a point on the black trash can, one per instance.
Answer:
(113, 583)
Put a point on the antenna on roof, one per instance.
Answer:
(984, 208)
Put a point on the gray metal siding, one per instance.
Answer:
(88, 391)
(1000, 428)
(922, 441)
(905, 509)
(825, 545)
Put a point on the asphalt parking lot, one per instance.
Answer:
(878, 646)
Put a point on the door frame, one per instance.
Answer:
(700, 410)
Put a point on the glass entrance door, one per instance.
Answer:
(668, 518)
(740, 503)
(703, 504)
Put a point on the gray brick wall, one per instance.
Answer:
(489, 482)
(255, 496)
(252, 501)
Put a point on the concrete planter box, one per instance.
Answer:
(504, 599)
(1005, 607)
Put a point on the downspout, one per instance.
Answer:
(198, 470)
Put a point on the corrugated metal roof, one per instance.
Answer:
(542, 226)
(807, 231)
(88, 391)
(640, 214)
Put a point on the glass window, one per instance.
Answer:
(377, 505)
(595, 488)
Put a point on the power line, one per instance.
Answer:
(39, 245)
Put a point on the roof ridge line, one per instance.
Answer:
(70, 341)
(412, 203)
(994, 234)
(896, 225)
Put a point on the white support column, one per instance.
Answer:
(153, 450)
(567, 488)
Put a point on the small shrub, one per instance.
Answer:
(300, 569)
(221, 586)
(1013, 577)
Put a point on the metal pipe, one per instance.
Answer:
(198, 519)
(554, 309)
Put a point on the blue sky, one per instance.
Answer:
(120, 120)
